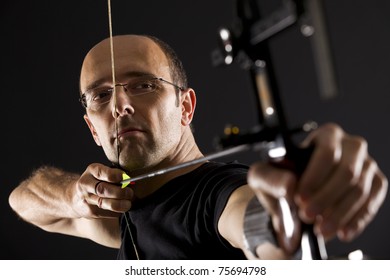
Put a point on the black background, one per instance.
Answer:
(42, 47)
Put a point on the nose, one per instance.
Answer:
(121, 101)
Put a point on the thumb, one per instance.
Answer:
(275, 187)
(271, 180)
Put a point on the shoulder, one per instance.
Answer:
(230, 175)
(221, 169)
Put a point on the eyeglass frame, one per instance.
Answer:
(83, 101)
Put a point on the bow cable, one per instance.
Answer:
(116, 114)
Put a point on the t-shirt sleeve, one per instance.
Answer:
(222, 185)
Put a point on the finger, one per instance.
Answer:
(271, 180)
(365, 215)
(269, 203)
(326, 154)
(347, 177)
(274, 187)
(101, 213)
(115, 205)
(108, 204)
(108, 190)
(350, 202)
(105, 173)
(99, 172)
(88, 208)
(336, 216)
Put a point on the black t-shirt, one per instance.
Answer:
(180, 219)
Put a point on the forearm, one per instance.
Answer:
(44, 199)
(53, 200)
(231, 227)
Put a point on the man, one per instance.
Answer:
(199, 211)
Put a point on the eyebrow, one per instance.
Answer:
(129, 74)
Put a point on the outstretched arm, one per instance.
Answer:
(340, 191)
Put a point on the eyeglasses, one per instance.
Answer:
(94, 98)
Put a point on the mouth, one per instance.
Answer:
(129, 131)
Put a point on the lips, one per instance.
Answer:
(129, 131)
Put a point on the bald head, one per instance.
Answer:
(130, 50)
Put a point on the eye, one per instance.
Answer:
(141, 87)
(102, 95)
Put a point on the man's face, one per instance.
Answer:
(149, 126)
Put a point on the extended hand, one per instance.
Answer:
(340, 191)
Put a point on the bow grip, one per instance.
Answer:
(294, 232)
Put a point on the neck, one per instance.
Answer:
(185, 151)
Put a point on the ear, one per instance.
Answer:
(188, 103)
(92, 129)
